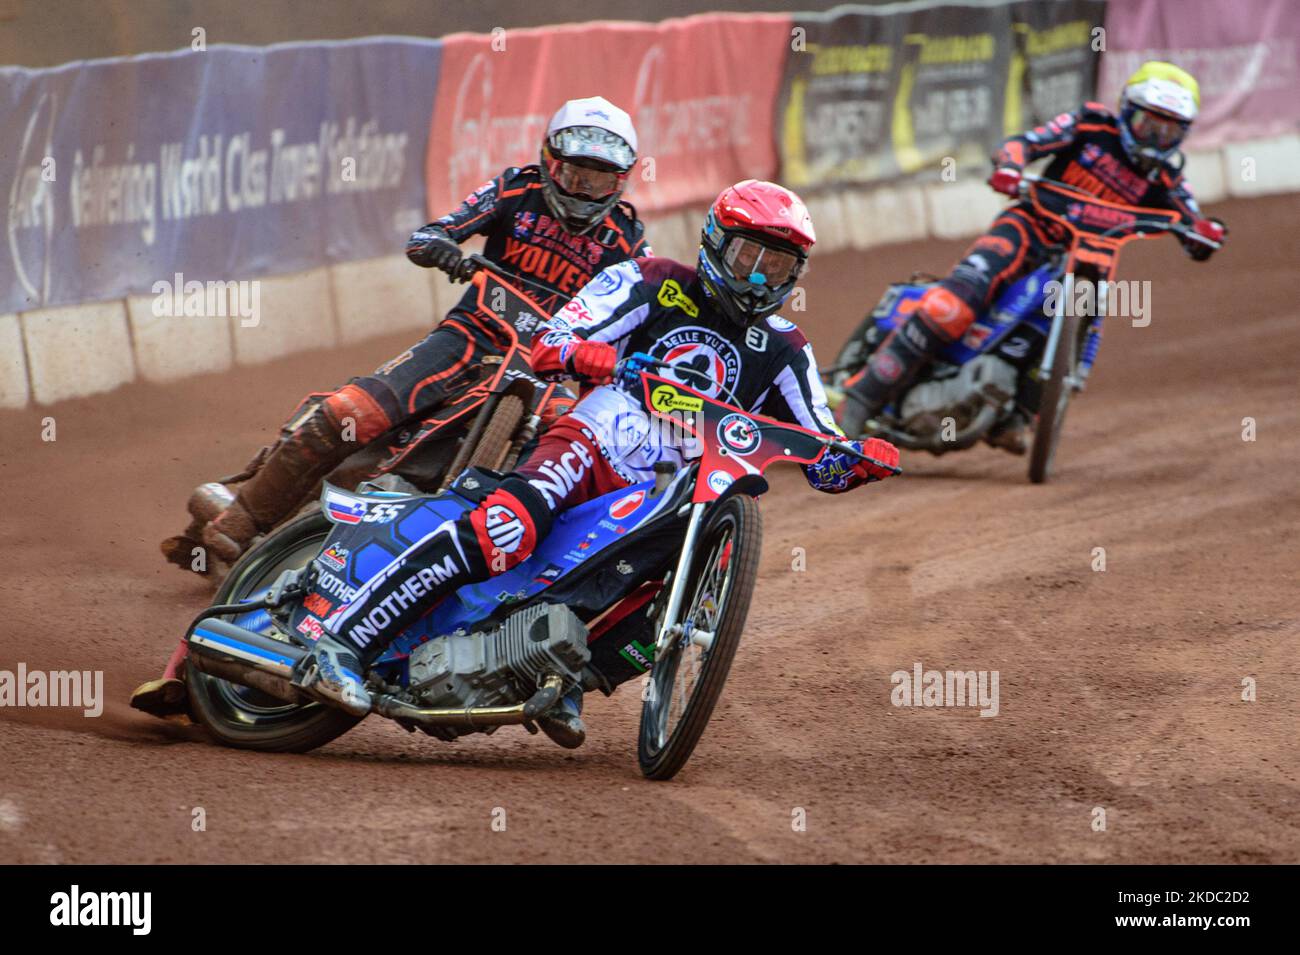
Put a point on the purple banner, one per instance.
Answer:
(1245, 55)
(221, 164)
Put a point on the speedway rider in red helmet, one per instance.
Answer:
(719, 318)
(1130, 158)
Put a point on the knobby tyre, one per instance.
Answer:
(685, 685)
(245, 718)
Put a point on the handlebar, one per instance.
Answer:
(629, 372)
(464, 270)
(1138, 226)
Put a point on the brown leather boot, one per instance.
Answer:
(275, 491)
(889, 370)
(205, 503)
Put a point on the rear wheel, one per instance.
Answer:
(246, 718)
(686, 682)
(1054, 402)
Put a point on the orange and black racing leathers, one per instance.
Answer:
(1087, 153)
(524, 239)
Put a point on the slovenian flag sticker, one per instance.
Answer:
(342, 508)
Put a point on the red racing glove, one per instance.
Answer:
(838, 471)
(1212, 229)
(1006, 180)
(592, 361)
(882, 451)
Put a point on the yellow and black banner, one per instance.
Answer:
(914, 90)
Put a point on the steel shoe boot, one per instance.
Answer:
(1011, 435)
(167, 696)
(332, 672)
(563, 721)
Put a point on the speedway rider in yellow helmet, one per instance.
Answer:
(1156, 108)
(1130, 158)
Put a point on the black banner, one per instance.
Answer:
(872, 96)
(1055, 60)
(946, 906)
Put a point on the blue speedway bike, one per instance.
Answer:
(651, 581)
(1029, 353)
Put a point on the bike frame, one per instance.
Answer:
(1098, 229)
(512, 316)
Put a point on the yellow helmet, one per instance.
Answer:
(1156, 107)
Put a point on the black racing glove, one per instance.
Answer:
(432, 248)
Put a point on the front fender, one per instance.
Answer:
(755, 485)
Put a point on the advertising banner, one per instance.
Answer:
(880, 94)
(220, 164)
(1245, 55)
(699, 91)
(1054, 62)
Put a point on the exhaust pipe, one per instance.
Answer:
(223, 650)
(934, 443)
(474, 718)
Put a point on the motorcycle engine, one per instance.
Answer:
(959, 395)
(504, 666)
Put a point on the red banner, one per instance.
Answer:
(700, 91)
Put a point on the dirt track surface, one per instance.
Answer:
(1118, 689)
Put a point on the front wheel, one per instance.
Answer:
(686, 682)
(1054, 401)
(240, 716)
(493, 445)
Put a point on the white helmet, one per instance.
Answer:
(589, 149)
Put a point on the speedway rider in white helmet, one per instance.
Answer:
(554, 225)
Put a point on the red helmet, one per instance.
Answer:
(753, 249)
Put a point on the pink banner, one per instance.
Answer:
(700, 91)
(1244, 53)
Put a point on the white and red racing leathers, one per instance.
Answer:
(657, 306)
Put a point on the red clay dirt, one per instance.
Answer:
(1119, 689)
